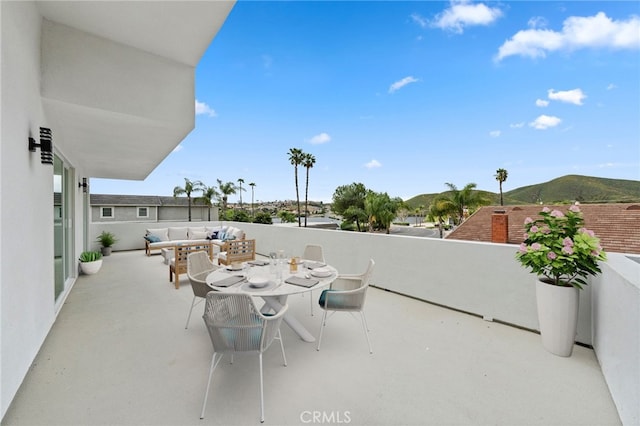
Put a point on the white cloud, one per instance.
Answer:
(517, 125)
(203, 108)
(611, 86)
(575, 96)
(423, 22)
(577, 33)
(537, 22)
(401, 83)
(544, 122)
(542, 103)
(373, 164)
(462, 13)
(495, 133)
(320, 139)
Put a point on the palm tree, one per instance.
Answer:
(208, 194)
(253, 187)
(189, 187)
(501, 176)
(308, 160)
(465, 198)
(295, 158)
(440, 208)
(240, 182)
(226, 189)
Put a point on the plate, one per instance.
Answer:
(321, 272)
(258, 282)
(234, 268)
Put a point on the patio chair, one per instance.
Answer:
(313, 252)
(347, 294)
(199, 265)
(178, 265)
(237, 251)
(235, 324)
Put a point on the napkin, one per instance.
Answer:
(258, 262)
(303, 282)
(313, 265)
(229, 281)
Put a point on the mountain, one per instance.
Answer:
(586, 189)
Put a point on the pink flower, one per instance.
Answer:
(546, 230)
(528, 220)
(534, 229)
(567, 242)
(535, 246)
(574, 209)
(551, 255)
(525, 235)
(523, 248)
(557, 213)
(587, 231)
(546, 210)
(567, 250)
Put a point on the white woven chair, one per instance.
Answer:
(347, 294)
(235, 324)
(313, 252)
(199, 265)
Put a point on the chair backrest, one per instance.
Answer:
(181, 252)
(240, 251)
(198, 267)
(353, 297)
(236, 325)
(313, 252)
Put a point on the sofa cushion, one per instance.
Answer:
(191, 231)
(197, 235)
(236, 232)
(162, 233)
(178, 234)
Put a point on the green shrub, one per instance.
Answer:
(263, 217)
(90, 256)
(106, 239)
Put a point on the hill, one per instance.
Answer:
(586, 189)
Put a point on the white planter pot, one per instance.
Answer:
(557, 317)
(90, 268)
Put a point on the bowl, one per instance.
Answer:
(321, 272)
(258, 281)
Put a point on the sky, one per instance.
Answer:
(404, 97)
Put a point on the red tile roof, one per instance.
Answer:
(617, 225)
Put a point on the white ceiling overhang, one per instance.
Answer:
(118, 79)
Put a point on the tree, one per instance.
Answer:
(465, 198)
(501, 176)
(295, 158)
(286, 217)
(226, 189)
(441, 208)
(240, 189)
(189, 187)
(346, 196)
(355, 214)
(253, 187)
(381, 210)
(308, 160)
(208, 194)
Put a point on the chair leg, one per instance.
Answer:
(261, 391)
(206, 393)
(190, 310)
(366, 330)
(311, 301)
(284, 357)
(322, 324)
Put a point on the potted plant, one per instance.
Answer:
(106, 239)
(562, 253)
(90, 262)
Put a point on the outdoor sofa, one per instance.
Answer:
(159, 238)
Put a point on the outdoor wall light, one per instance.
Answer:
(84, 185)
(45, 145)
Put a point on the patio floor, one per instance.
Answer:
(119, 354)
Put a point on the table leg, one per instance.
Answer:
(277, 303)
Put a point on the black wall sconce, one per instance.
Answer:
(84, 185)
(45, 145)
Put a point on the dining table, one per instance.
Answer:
(274, 282)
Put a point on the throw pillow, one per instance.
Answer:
(213, 235)
(152, 238)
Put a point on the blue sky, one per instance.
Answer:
(405, 96)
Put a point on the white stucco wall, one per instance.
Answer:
(25, 232)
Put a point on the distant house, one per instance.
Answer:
(147, 208)
(617, 224)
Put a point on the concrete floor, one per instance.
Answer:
(119, 354)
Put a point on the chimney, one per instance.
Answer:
(499, 226)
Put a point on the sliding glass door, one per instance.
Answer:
(62, 226)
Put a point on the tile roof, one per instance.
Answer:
(617, 224)
(140, 200)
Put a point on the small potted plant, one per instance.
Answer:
(90, 262)
(562, 253)
(106, 239)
